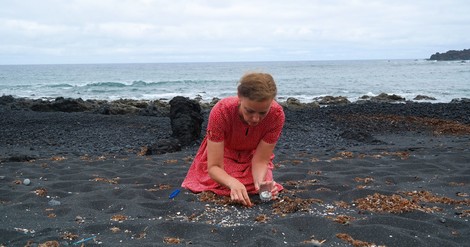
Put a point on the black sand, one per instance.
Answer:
(360, 174)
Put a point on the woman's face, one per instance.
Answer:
(252, 112)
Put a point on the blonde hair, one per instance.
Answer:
(257, 86)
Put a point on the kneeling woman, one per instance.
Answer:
(235, 157)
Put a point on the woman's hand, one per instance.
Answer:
(239, 194)
(215, 169)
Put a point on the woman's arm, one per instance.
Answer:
(215, 168)
(260, 162)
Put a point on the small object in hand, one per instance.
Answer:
(174, 194)
(265, 196)
(265, 193)
(26, 181)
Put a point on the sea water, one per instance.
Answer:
(304, 80)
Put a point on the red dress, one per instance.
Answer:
(240, 142)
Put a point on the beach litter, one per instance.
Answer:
(54, 202)
(174, 194)
(24, 230)
(84, 240)
(314, 241)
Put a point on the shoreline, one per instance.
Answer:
(47, 104)
(374, 173)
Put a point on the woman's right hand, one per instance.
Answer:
(239, 194)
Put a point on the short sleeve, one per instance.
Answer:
(217, 123)
(276, 125)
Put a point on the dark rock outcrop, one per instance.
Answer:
(332, 100)
(155, 108)
(186, 124)
(116, 108)
(383, 98)
(19, 158)
(295, 104)
(461, 100)
(186, 120)
(163, 146)
(63, 105)
(6, 99)
(423, 97)
(452, 55)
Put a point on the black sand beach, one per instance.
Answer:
(355, 175)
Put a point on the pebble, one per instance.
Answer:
(26, 181)
(54, 202)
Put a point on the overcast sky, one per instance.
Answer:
(142, 31)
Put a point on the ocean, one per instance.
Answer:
(304, 80)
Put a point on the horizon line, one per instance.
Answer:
(232, 61)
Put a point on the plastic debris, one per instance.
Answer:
(54, 202)
(84, 240)
(174, 194)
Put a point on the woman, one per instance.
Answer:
(235, 157)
